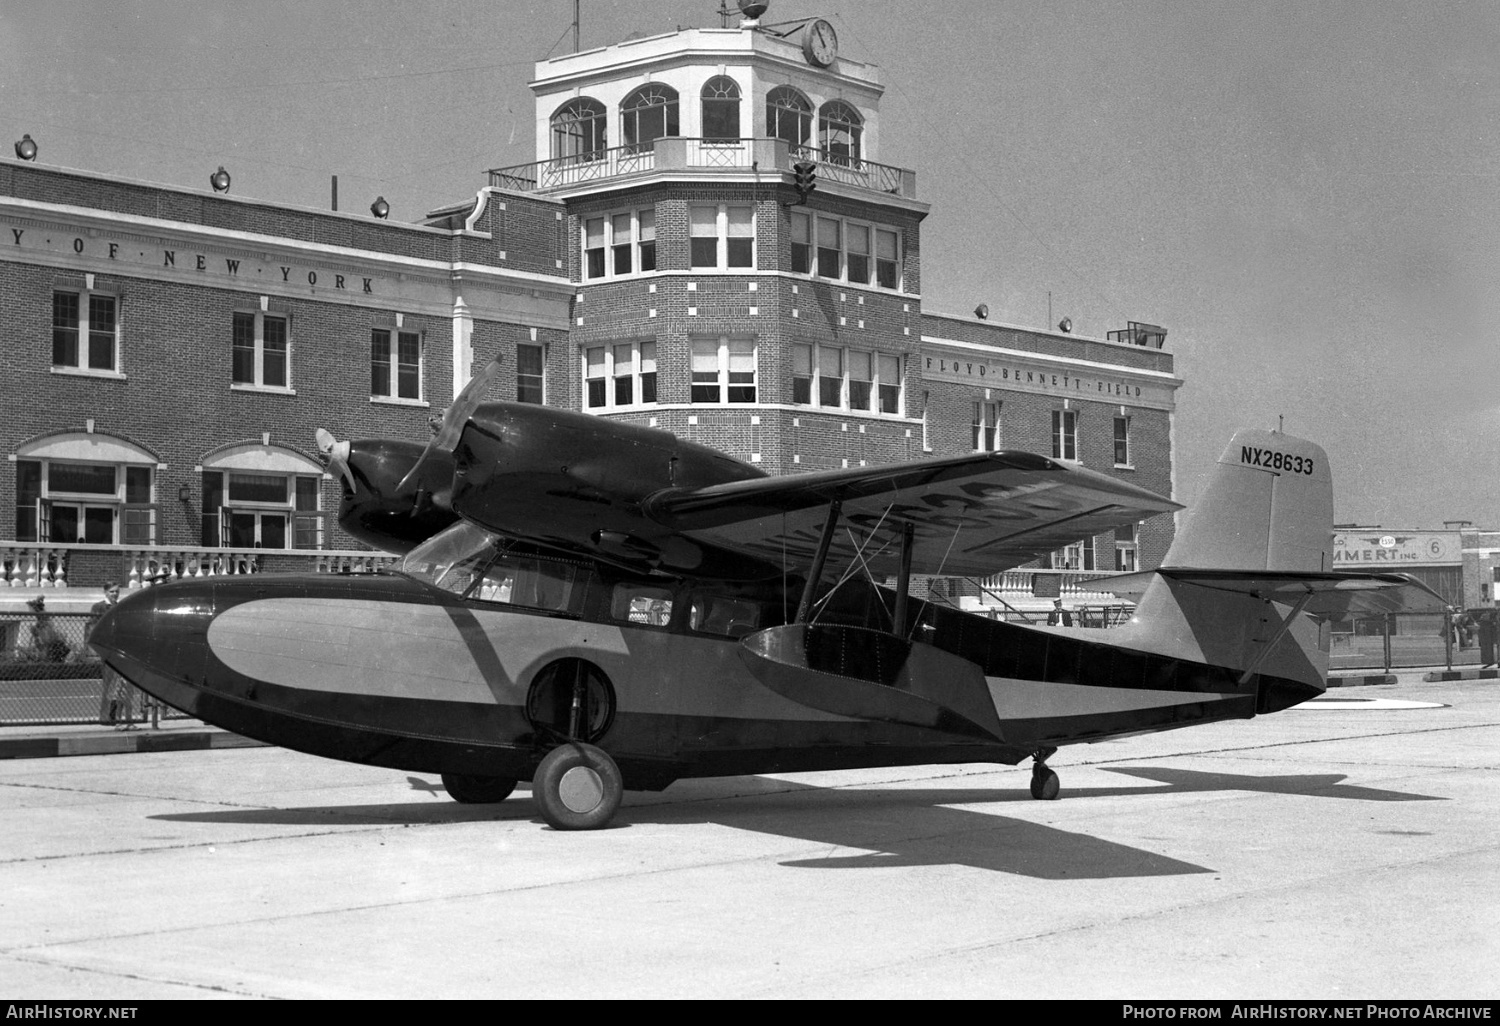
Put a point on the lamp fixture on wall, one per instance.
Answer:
(982, 311)
(380, 208)
(219, 180)
(26, 148)
(184, 493)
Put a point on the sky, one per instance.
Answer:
(1302, 193)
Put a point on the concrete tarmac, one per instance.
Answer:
(1346, 850)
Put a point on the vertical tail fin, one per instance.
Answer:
(1268, 506)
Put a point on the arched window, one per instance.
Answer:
(789, 116)
(839, 131)
(578, 131)
(721, 109)
(258, 496)
(78, 486)
(648, 114)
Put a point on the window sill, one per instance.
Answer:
(1125, 466)
(88, 372)
(263, 389)
(391, 400)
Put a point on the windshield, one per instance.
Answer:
(451, 558)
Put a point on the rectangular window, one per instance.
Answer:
(741, 353)
(703, 232)
(621, 244)
(858, 262)
(593, 247)
(82, 479)
(624, 375)
(273, 352)
(594, 380)
(890, 383)
(1127, 548)
(261, 351)
(861, 387)
(887, 262)
(138, 523)
(802, 374)
(85, 331)
(829, 248)
(830, 377)
(648, 372)
(801, 243)
(65, 329)
(1064, 435)
(1122, 441)
(531, 370)
(740, 246)
(986, 434)
(706, 371)
(395, 364)
(621, 375)
(646, 239)
(723, 370)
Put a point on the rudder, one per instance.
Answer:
(1268, 505)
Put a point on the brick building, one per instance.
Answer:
(171, 352)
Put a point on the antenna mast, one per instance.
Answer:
(576, 25)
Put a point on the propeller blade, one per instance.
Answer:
(456, 416)
(335, 454)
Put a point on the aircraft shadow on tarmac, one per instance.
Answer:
(875, 828)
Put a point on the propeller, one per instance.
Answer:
(335, 454)
(456, 416)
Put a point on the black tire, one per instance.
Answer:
(1044, 784)
(474, 790)
(577, 787)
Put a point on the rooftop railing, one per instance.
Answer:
(702, 155)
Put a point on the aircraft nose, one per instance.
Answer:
(157, 638)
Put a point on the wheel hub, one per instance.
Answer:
(581, 789)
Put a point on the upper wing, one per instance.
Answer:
(971, 515)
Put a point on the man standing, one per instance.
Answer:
(1059, 616)
(116, 696)
(1487, 633)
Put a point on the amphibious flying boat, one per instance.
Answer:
(596, 606)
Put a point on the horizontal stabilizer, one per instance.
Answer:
(1333, 593)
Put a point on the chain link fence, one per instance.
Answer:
(49, 675)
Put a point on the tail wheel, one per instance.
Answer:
(577, 787)
(473, 790)
(1044, 783)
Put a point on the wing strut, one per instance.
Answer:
(809, 590)
(903, 579)
(1286, 625)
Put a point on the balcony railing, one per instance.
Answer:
(700, 155)
(41, 565)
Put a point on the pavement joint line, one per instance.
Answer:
(117, 975)
(1186, 906)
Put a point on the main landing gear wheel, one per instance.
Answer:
(577, 787)
(474, 790)
(1044, 783)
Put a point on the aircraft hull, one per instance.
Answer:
(384, 670)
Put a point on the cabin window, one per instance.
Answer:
(641, 604)
(728, 617)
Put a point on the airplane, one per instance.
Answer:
(597, 606)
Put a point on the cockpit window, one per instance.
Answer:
(466, 561)
(452, 559)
